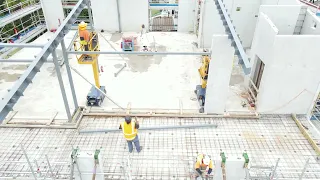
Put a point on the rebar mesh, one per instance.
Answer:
(166, 154)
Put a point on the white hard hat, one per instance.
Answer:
(206, 160)
(82, 22)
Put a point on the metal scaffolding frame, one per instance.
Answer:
(7, 103)
(22, 22)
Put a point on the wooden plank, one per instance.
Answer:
(9, 117)
(306, 135)
(52, 118)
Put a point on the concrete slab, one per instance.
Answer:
(147, 81)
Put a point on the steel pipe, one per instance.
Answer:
(73, 39)
(62, 89)
(20, 61)
(66, 61)
(22, 45)
(93, 85)
(140, 53)
(153, 128)
(30, 166)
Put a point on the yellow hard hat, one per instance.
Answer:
(82, 25)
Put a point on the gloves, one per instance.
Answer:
(209, 171)
(199, 171)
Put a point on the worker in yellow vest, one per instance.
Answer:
(203, 164)
(130, 132)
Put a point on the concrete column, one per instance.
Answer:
(105, 15)
(53, 12)
(186, 16)
(220, 70)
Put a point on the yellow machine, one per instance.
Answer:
(201, 89)
(94, 97)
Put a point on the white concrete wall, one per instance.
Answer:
(196, 15)
(186, 15)
(52, 11)
(308, 24)
(243, 20)
(220, 69)
(279, 2)
(210, 23)
(283, 16)
(263, 41)
(133, 14)
(105, 15)
(289, 84)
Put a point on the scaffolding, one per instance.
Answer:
(20, 22)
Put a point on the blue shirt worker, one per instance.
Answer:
(130, 132)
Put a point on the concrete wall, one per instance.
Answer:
(220, 69)
(52, 11)
(264, 36)
(288, 83)
(134, 13)
(105, 15)
(210, 23)
(244, 19)
(279, 2)
(308, 25)
(283, 16)
(186, 15)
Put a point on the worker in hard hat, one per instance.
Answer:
(203, 164)
(84, 37)
(130, 132)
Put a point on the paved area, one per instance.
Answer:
(167, 154)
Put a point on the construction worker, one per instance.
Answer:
(84, 37)
(203, 164)
(130, 132)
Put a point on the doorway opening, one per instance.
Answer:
(255, 83)
(163, 16)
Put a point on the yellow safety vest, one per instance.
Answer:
(83, 42)
(129, 130)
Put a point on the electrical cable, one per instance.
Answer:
(285, 104)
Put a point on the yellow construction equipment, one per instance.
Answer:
(201, 89)
(88, 41)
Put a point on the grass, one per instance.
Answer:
(154, 12)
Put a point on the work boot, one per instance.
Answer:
(140, 149)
